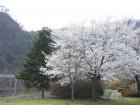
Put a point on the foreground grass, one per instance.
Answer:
(65, 102)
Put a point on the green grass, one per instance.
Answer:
(65, 102)
(134, 101)
(108, 93)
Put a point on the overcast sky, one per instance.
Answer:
(34, 14)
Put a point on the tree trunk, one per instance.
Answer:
(72, 90)
(61, 92)
(94, 95)
(15, 87)
(138, 82)
(42, 93)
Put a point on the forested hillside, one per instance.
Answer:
(14, 43)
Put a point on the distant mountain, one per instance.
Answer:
(14, 44)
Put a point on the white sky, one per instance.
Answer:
(34, 14)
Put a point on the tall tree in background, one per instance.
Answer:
(32, 75)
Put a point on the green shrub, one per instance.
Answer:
(83, 89)
(107, 93)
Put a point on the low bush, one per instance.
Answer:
(129, 93)
(83, 89)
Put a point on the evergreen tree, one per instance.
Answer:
(31, 75)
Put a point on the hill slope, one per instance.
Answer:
(14, 43)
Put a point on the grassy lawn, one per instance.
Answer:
(66, 102)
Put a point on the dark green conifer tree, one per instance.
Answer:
(31, 75)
